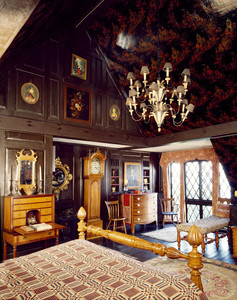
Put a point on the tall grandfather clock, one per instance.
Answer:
(93, 173)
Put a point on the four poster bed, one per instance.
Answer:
(80, 269)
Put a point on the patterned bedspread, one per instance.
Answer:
(80, 269)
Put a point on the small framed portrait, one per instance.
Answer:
(29, 93)
(114, 112)
(77, 104)
(132, 175)
(79, 67)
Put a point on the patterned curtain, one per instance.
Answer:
(226, 149)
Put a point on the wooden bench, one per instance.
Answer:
(211, 224)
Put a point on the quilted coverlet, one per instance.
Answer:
(80, 269)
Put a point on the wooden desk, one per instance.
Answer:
(15, 216)
(139, 209)
(21, 237)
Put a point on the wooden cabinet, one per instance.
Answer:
(16, 210)
(139, 209)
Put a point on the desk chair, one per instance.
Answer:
(113, 214)
(169, 209)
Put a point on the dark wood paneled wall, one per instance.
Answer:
(33, 126)
(48, 66)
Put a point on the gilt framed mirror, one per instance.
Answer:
(61, 177)
(25, 178)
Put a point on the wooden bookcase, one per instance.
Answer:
(115, 175)
(146, 176)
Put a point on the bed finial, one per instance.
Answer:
(82, 224)
(195, 258)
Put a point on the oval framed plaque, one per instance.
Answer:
(114, 112)
(29, 93)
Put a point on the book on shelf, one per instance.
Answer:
(41, 226)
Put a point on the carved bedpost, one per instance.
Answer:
(194, 238)
(195, 258)
(82, 224)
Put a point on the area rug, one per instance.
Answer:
(168, 234)
(219, 279)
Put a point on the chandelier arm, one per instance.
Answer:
(148, 120)
(177, 123)
(172, 110)
(136, 120)
(138, 115)
(140, 101)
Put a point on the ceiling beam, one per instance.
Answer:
(194, 134)
(95, 9)
(68, 131)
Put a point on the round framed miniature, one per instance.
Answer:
(29, 93)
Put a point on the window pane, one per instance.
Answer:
(225, 190)
(193, 213)
(192, 180)
(206, 180)
(207, 211)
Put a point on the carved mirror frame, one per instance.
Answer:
(26, 160)
(61, 177)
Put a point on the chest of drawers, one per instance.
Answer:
(139, 208)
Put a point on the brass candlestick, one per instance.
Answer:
(11, 188)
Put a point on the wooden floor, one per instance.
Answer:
(224, 253)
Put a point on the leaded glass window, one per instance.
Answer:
(174, 182)
(224, 186)
(198, 189)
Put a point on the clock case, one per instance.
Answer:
(92, 190)
(88, 163)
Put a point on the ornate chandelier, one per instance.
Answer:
(159, 98)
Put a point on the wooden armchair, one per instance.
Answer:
(114, 216)
(223, 207)
(169, 210)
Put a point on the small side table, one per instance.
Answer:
(234, 235)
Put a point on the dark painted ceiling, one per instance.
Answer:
(200, 35)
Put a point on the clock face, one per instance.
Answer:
(95, 166)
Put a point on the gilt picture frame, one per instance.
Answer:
(132, 175)
(77, 104)
(79, 67)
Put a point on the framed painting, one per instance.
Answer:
(77, 104)
(132, 175)
(79, 67)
